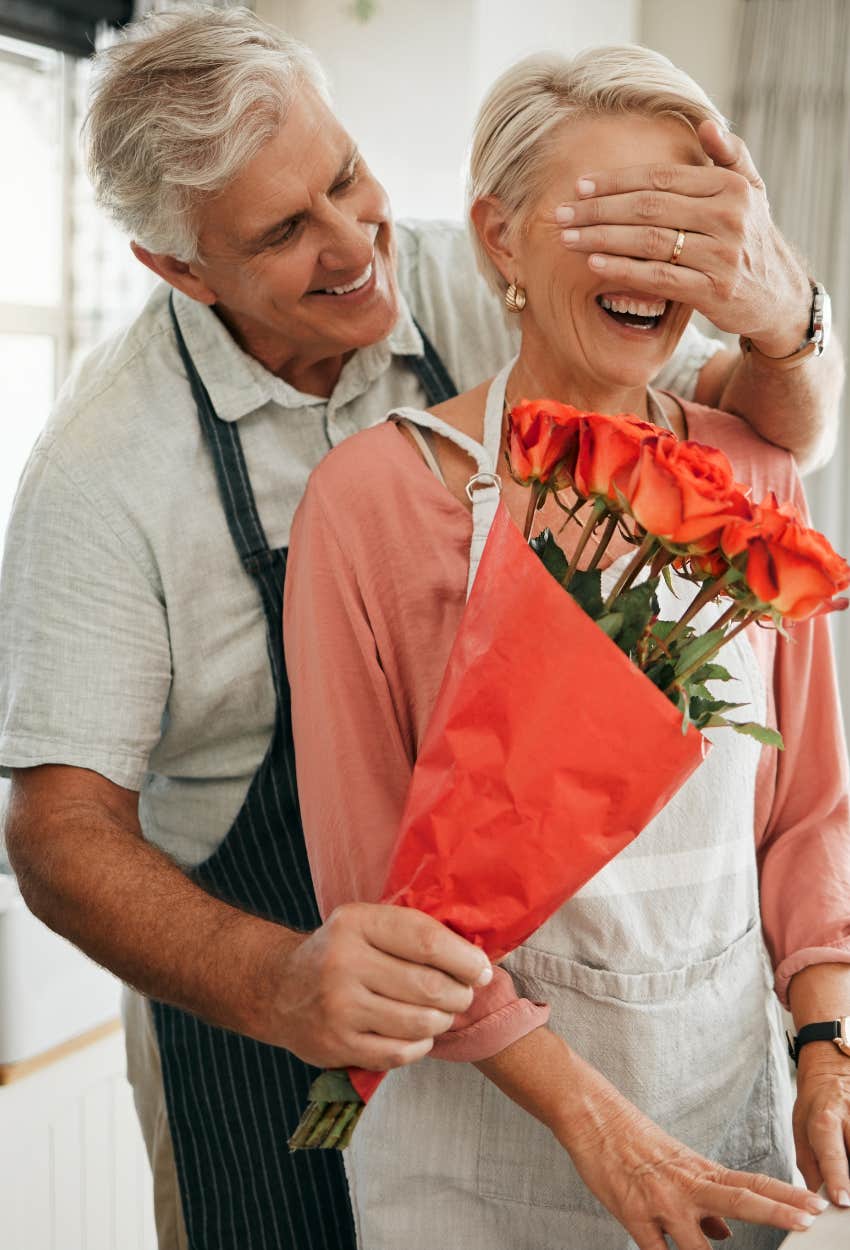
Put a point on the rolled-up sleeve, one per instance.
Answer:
(85, 661)
(353, 762)
(804, 842)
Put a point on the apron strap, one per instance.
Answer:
(231, 471)
(234, 483)
(484, 487)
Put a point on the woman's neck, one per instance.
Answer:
(537, 375)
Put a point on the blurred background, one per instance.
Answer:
(407, 76)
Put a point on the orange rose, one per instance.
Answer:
(684, 493)
(608, 451)
(543, 442)
(788, 566)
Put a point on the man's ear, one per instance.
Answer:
(490, 220)
(177, 273)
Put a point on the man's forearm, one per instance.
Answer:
(130, 908)
(795, 408)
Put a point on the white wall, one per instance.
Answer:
(407, 82)
(700, 38)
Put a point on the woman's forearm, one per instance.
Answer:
(539, 1073)
(820, 992)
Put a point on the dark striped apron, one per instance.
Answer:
(233, 1102)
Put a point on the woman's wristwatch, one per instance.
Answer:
(837, 1031)
(814, 344)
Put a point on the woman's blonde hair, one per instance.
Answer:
(513, 134)
(178, 108)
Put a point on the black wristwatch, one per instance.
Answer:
(837, 1031)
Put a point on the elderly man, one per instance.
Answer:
(154, 819)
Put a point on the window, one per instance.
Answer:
(68, 278)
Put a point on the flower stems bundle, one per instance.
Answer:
(505, 820)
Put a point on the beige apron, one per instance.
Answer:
(655, 972)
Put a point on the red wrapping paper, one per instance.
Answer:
(546, 754)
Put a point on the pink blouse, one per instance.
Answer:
(375, 589)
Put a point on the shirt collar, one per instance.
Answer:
(238, 384)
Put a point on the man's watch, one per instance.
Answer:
(837, 1031)
(814, 344)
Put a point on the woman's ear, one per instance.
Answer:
(491, 222)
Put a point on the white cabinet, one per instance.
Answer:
(73, 1170)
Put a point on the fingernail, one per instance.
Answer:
(486, 977)
(598, 262)
(818, 1204)
(804, 1221)
(585, 187)
(570, 236)
(564, 214)
(842, 1198)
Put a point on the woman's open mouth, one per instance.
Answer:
(633, 312)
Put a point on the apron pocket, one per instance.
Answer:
(691, 1048)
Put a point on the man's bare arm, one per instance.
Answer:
(797, 409)
(371, 987)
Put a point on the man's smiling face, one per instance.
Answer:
(299, 249)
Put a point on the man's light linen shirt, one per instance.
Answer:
(131, 640)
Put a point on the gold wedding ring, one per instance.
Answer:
(677, 250)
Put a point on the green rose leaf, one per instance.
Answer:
(713, 672)
(638, 605)
(586, 589)
(696, 648)
(554, 560)
(611, 624)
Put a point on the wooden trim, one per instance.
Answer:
(25, 1067)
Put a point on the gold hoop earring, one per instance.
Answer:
(515, 298)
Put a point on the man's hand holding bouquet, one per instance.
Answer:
(566, 721)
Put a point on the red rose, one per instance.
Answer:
(788, 566)
(684, 492)
(543, 442)
(608, 451)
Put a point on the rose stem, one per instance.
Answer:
(709, 591)
(324, 1125)
(305, 1125)
(350, 1126)
(538, 489)
(607, 535)
(336, 1132)
(644, 553)
(597, 511)
(748, 619)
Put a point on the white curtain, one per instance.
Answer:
(792, 107)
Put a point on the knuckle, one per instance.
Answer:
(661, 177)
(428, 942)
(659, 277)
(592, 212)
(654, 242)
(649, 205)
(431, 986)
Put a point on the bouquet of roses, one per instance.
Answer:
(565, 722)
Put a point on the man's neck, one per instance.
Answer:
(310, 375)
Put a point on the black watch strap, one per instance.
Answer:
(823, 1031)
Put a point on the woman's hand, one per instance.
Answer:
(822, 1119)
(655, 1185)
(650, 1182)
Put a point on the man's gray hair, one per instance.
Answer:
(178, 108)
(514, 132)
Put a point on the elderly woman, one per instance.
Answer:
(656, 1073)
